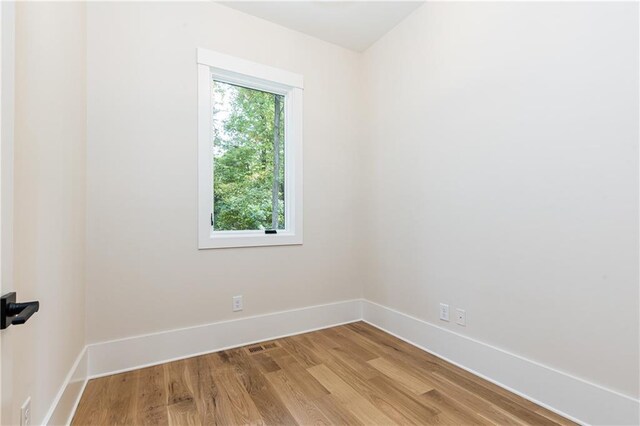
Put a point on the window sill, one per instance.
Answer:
(219, 240)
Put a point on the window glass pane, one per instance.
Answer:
(248, 158)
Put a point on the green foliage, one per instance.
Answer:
(243, 158)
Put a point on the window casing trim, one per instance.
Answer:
(228, 69)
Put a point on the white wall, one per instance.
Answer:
(502, 155)
(49, 203)
(144, 272)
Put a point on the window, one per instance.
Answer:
(249, 155)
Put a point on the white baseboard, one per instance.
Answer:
(569, 396)
(68, 397)
(142, 351)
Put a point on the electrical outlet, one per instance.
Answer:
(444, 312)
(25, 413)
(461, 317)
(237, 303)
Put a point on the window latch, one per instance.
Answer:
(211, 219)
(270, 231)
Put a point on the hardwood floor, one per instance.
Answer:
(353, 374)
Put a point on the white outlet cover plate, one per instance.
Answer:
(461, 317)
(444, 312)
(25, 413)
(237, 303)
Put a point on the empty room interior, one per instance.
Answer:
(319, 212)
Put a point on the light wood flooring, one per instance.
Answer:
(349, 375)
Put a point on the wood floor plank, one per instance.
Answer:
(353, 374)
(321, 346)
(269, 405)
(122, 402)
(300, 406)
(490, 396)
(311, 387)
(299, 348)
(265, 363)
(281, 357)
(338, 387)
(413, 409)
(344, 367)
(364, 369)
(452, 409)
(410, 381)
(477, 404)
(181, 406)
(397, 349)
(337, 413)
(349, 397)
(556, 418)
(234, 402)
(94, 404)
(349, 345)
(426, 363)
(152, 397)
(204, 387)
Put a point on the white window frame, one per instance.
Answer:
(229, 69)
